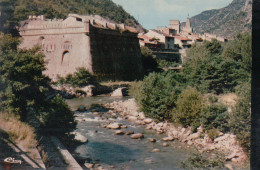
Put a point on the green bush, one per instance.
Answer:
(149, 61)
(213, 99)
(213, 133)
(215, 116)
(213, 74)
(58, 119)
(189, 107)
(240, 50)
(80, 78)
(199, 161)
(213, 70)
(135, 89)
(158, 94)
(240, 118)
(164, 63)
(21, 73)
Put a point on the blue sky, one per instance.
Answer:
(153, 13)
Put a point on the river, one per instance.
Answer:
(120, 151)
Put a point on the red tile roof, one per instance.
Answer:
(181, 38)
(144, 37)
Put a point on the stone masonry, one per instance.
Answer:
(103, 47)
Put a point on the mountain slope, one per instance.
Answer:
(13, 11)
(227, 21)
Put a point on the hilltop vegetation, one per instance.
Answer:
(14, 11)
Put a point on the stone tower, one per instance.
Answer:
(175, 24)
(187, 29)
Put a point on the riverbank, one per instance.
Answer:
(113, 141)
(226, 144)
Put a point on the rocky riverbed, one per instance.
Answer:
(120, 127)
(224, 143)
(110, 141)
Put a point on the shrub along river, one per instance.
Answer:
(109, 150)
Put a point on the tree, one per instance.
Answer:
(21, 72)
(25, 88)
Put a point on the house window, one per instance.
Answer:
(65, 57)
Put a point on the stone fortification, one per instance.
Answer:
(103, 47)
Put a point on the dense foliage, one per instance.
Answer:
(24, 89)
(14, 11)
(240, 119)
(210, 69)
(148, 60)
(199, 161)
(215, 116)
(189, 107)
(158, 94)
(80, 78)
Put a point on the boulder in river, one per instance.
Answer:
(137, 136)
(130, 133)
(148, 120)
(132, 118)
(81, 108)
(156, 150)
(89, 90)
(152, 140)
(169, 138)
(113, 126)
(89, 165)
(119, 132)
(79, 137)
(123, 126)
(165, 144)
(119, 92)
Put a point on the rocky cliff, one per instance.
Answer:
(227, 21)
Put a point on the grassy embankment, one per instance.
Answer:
(19, 132)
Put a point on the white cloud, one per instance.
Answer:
(153, 13)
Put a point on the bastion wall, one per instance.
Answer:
(106, 49)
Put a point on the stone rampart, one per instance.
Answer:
(104, 48)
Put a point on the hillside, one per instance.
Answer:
(13, 11)
(236, 17)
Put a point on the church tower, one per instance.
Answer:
(188, 29)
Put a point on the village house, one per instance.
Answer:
(107, 49)
(166, 40)
(209, 37)
(182, 42)
(149, 42)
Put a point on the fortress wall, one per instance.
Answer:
(71, 43)
(63, 53)
(115, 55)
(71, 51)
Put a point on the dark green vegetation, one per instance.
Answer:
(80, 78)
(14, 11)
(26, 92)
(199, 161)
(227, 21)
(190, 96)
(153, 64)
